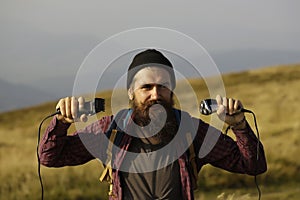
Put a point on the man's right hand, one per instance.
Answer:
(69, 107)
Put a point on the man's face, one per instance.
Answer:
(151, 84)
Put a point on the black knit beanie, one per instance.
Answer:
(150, 57)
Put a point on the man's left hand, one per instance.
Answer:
(229, 111)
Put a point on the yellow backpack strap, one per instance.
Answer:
(122, 118)
(107, 172)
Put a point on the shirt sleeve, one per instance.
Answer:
(245, 155)
(58, 149)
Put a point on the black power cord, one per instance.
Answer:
(37, 153)
(257, 149)
(53, 114)
(209, 106)
(89, 108)
(257, 146)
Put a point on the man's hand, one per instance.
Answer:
(229, 111)
(69, 107)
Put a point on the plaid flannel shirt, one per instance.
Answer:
(58, 149)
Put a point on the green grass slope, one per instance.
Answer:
(272, 93)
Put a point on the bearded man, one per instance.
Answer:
(150, 126)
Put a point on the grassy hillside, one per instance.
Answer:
(272, 93)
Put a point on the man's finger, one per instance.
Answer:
(61, 106)
(68, 107)
(81, 102)
(219, 100)
(237, 105)
(221, 107)
(230, 106)
(225, 104)
(74, 107)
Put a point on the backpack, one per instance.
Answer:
(107, 174)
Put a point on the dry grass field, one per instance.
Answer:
(271, 92)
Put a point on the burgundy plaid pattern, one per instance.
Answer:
(57, 149)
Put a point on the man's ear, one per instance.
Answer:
(130, 93)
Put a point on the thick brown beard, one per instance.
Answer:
(141, 118)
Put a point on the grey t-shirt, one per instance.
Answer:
(164, 183)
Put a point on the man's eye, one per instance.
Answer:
(162, 86)
(150, 86)
(146, 87)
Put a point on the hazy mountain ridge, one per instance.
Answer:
(15, 96)
(248, 59)
(49, 89)
(279, 73)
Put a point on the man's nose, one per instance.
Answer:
(155, 93)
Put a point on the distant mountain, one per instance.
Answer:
(14, 96)
(247, 59)
(59, 86)
(49, 89)
(227, 62)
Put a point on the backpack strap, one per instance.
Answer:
(192, 165)
(114, 138)
(107, 172)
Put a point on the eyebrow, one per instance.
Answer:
(165, 84)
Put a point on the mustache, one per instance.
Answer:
(161, 102)
(142, 111)
(144, 108)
